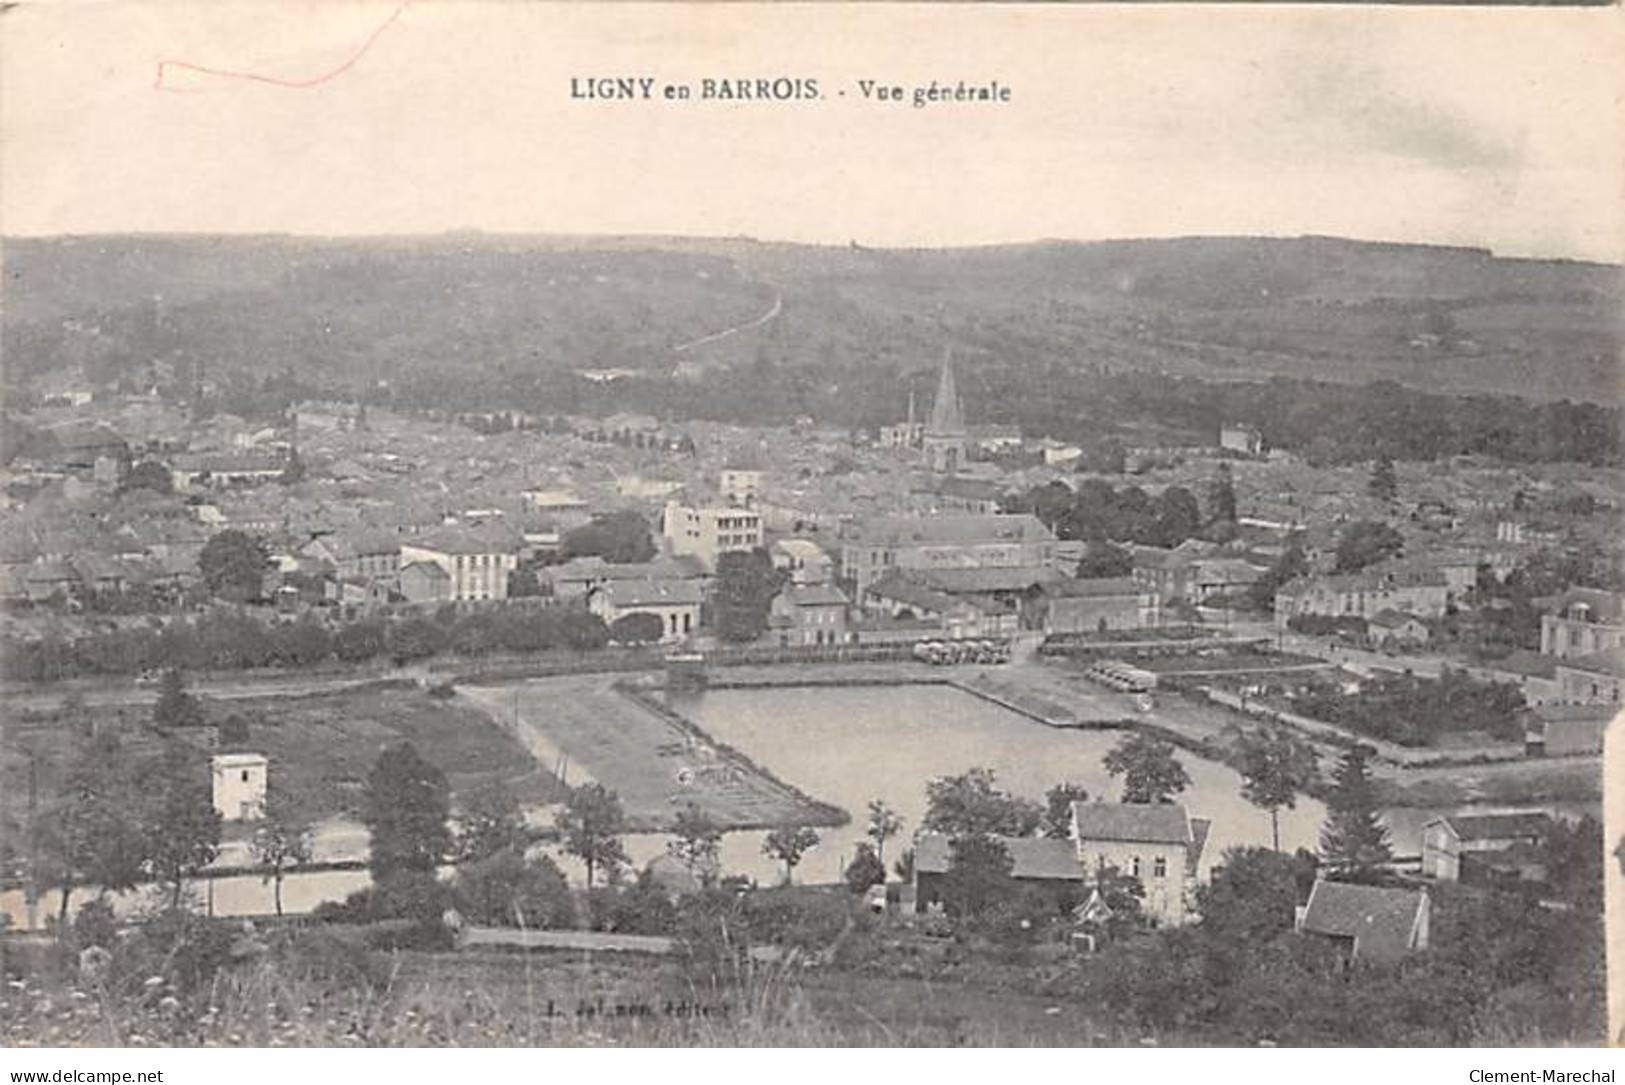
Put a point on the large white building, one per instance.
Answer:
(888, 544)
(706, 533)
(476, 560)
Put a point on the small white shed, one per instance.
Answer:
(239, 785)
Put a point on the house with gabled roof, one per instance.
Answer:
(1037, 860)
(1583, 621)
(1367, 922)
(1450, 845)
(1158, 843)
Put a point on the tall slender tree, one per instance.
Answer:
(884, 823)
(1354, 843)
(406, 808)
(697, 843)
(592, 823)
(180, 823)
(1276, 766)
(282, 841)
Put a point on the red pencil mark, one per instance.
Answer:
(254, 77)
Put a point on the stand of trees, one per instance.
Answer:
(1416, 711)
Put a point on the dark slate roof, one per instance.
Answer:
(1047, 858)
(962, 529)
(1378, 918)
(1094, 587)
(993, 578)
(1498, 826)
(1611, 663)
(638, 593)
(1162, 823)
(813, 595)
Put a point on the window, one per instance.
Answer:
(1134, 866)
(245, 776)
(1159, 867)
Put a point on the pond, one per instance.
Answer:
(850, 745)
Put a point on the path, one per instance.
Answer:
(717, 337)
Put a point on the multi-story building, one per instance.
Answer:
(706, 533)
(809, 615)
(1158, 843)
(1419, 591)
(1592, 679)
(882, 545)
(476, 560)
(740, 486)
(1583, 621)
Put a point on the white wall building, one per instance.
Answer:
(706, 533)
(239, 783)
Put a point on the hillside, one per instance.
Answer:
(358, 311)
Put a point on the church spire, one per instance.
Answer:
(946, 416)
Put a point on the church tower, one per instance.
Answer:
(946, 439)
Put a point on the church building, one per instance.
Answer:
(944, 444)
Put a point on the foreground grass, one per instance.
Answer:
(412, 999)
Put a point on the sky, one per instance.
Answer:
(1492, 127)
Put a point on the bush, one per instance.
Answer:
(509, 890)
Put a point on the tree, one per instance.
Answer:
(233, 564)
(405, 808)
(788, 844)
(282, 840)
(697, 844)
(746, 583)
(175, 707)
(1250, 898)
(641, 627)
(1384, 485)
(971, 804)
(1367, 542)
(1150, 771)
(865, 869)
(87, 836)
(592, 822)
(490, 821)
(178, 820)
(1221, 497)
(1058, 802)
(1178, 516)
(978, 875)
(884, 823)
(1290, 565)
(507, 889)
(621, 537)
(358, 642)
(149, 475)
(1354, 842)
(1276, 765)
(1103, 559)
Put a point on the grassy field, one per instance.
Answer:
(321, 746)
(586, 729)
